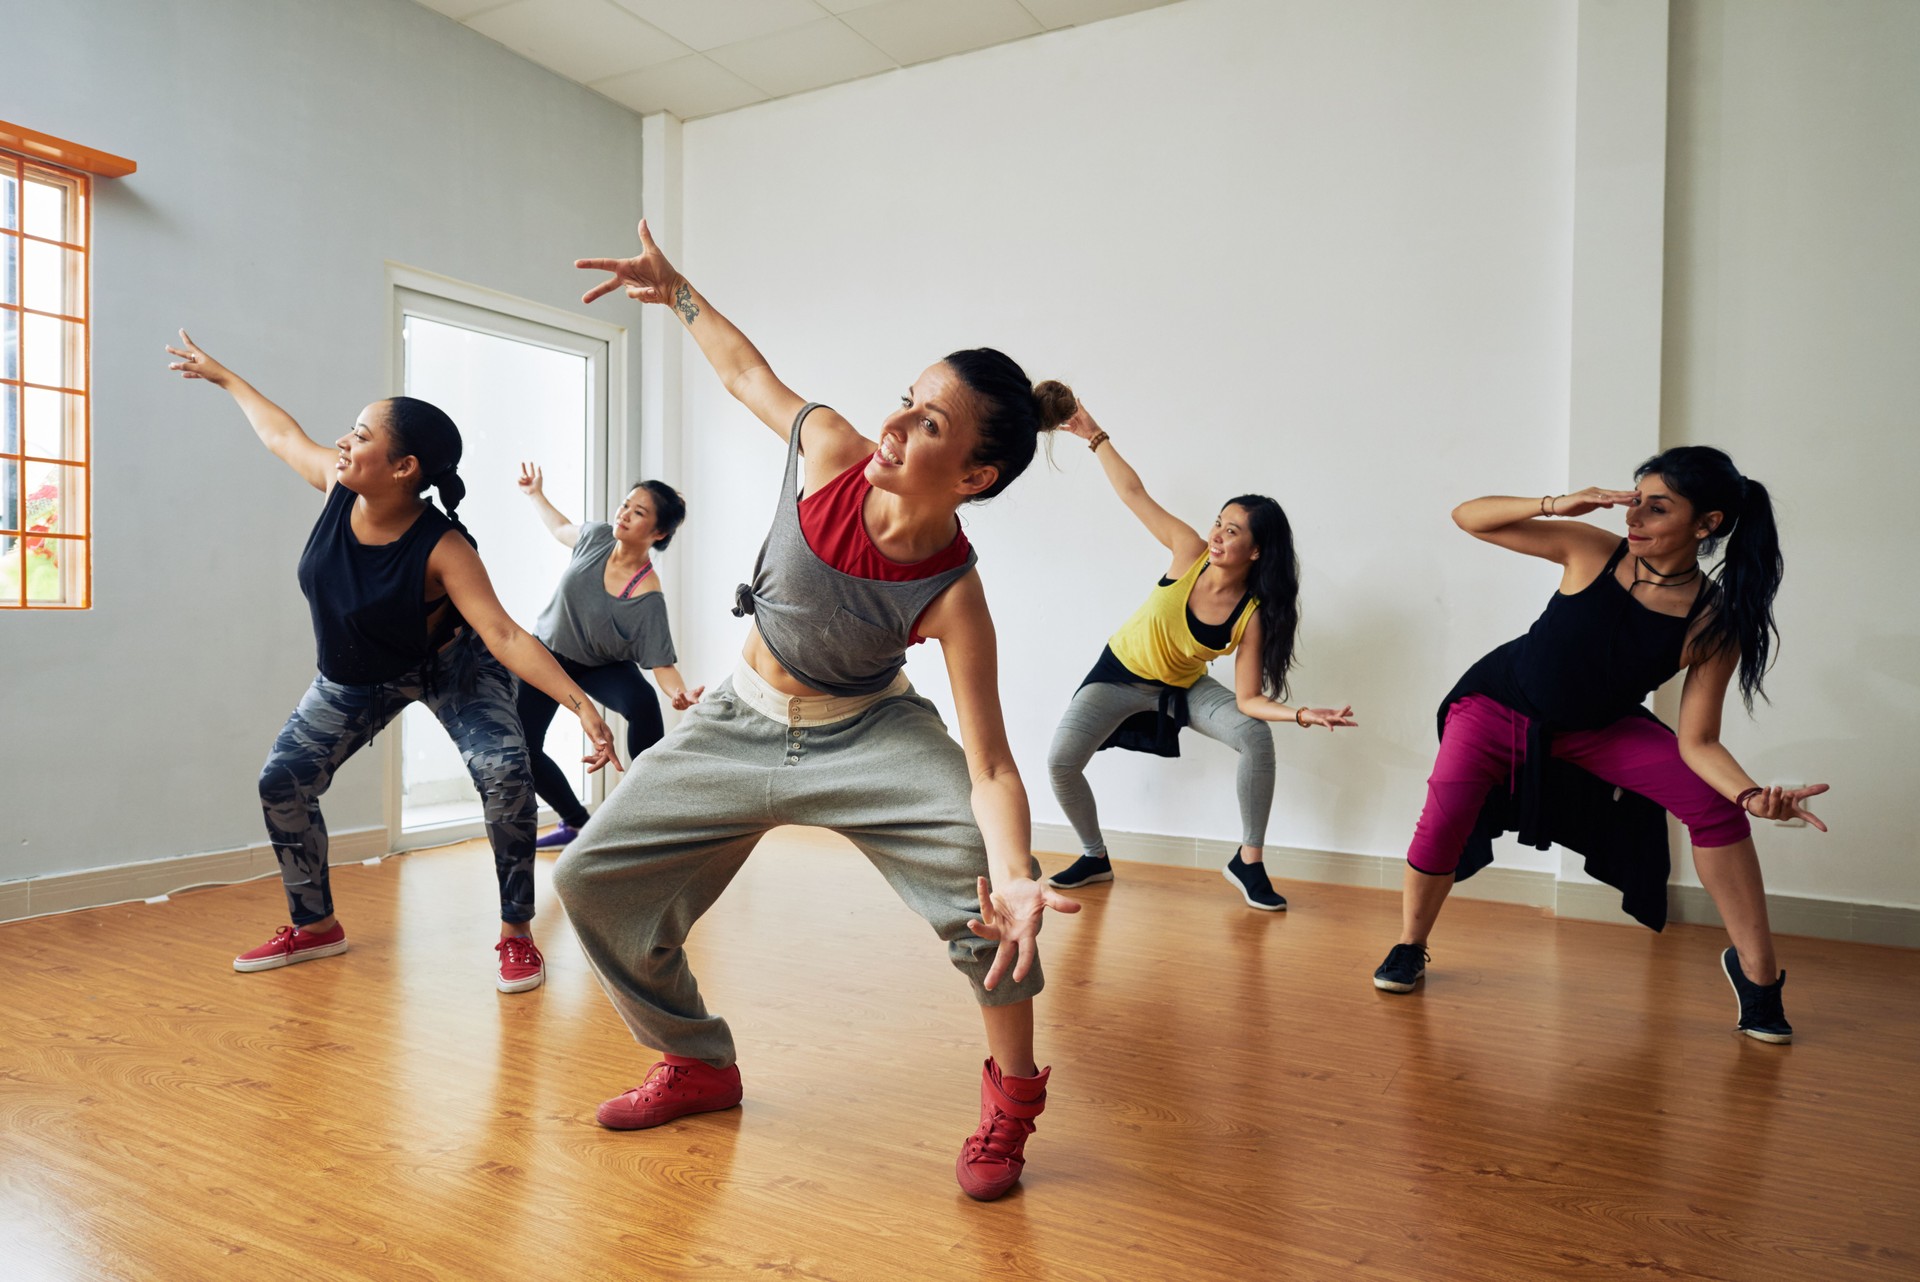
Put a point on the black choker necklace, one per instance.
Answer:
(1659, 579)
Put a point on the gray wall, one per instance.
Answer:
(287, 150)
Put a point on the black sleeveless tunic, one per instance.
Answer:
(369, 604)
(1588, 661)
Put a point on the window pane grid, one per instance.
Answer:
(45, 457)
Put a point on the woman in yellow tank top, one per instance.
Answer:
(1237, 589)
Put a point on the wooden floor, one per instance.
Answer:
(1231, 1098)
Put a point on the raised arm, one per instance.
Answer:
(1522, 525)
(531, 482)
(457, 569)
(273, 425)
(650, 278)
(1174, 534)
(1011, 901)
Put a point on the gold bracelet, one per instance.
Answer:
(1546, 504)
(1299, 713)
(1097, 440)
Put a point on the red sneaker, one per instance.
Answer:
(675, 1087)
(991, 1160)
(290, 944)
(521, 965)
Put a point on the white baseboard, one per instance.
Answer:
(65, 892)
(1582, 901)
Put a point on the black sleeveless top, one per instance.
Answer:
(1589, 660)
(369, 604)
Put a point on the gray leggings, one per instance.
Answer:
(1097, 711)
(659, 851)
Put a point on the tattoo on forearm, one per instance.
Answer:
(574, 699)
(684, 304)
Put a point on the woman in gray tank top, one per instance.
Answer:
(819, 725)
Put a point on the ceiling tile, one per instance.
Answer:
(820, 53)
(1076, 13)
(688, 87)
(461, 10)
(919, 30)
(706, 24)
(583, 40)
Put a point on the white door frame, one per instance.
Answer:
(413, 292)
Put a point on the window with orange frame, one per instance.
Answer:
(45, 425)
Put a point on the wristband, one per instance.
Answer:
(1297, 714)
(1748, 795)
(1098, 439)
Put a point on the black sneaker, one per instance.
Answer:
(1251, 881)
(1761, 1014)
(1084, 871)
(1402, 969)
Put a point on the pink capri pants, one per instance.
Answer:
(1485, 741)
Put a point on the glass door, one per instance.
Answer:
(520, 391)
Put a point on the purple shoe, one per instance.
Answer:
(560, 836)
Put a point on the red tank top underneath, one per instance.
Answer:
(831, 520)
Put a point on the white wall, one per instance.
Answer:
(1793, 341)
(1320, 250)
(286, 150)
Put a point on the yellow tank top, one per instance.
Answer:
(1156, 642)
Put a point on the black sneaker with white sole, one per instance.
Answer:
(1762, 1016)
(1402, 969)
(1251, 881)
(1083, 871)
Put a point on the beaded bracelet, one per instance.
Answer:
(1097, 440)
(1546, 504)
(1297, 714)
(1743, 798)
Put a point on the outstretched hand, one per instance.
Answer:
(649, 277)
(1328, 717)
(1581, 502)
(1012, 916)
(195, 363)
(687, 698)
(530, 480)
(1784, 804)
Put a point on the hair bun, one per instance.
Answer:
(1056, 403)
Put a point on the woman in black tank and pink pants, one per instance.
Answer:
(1547, 735)
(818, 725)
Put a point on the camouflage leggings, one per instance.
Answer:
(472, 695)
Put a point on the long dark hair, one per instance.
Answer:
(1737, 600)
(1013, 412)
(423, 430)
(1275, 579)
(669, 509)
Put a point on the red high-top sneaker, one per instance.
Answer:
(675, 1087)
(991, 1160)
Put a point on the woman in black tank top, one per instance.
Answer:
(1557, 715)
(402, 611)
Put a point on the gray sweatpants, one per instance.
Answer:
(1097, 711)
(663, 847)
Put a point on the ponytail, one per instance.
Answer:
(1737, 603)
(424, 430)
(1275, 581)
(1013, 412)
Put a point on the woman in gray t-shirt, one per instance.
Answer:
(607, 620)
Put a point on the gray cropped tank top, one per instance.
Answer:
(841, 634)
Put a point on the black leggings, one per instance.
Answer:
(617, 685)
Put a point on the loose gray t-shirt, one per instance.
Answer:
(587, 624)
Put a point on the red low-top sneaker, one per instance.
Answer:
(993, 1156)
(521, 966)
(290, 944)
(675, 1087)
